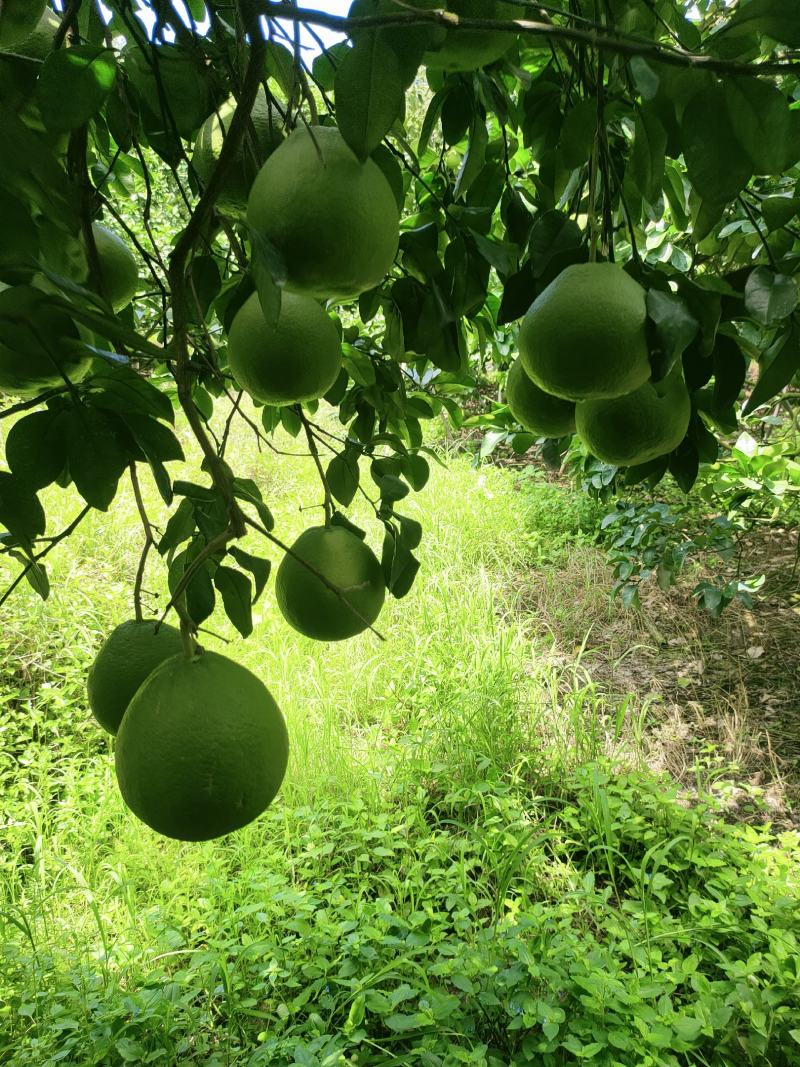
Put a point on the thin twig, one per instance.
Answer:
(149, 541)
(312, 444)
(57, 539)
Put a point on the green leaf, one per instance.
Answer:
(96, 457)
(258, 567)
(717, 167)
(768, 297)
(269, 273)
(773, 18)
(235, 589)
(553, 236)
(369, 93)
(36, 576)
(778, 210)
(578, 133)
(392, 172)
(648, 154)
(675, 329)
(399, 565)
(327, 63)
(784, 364)
(342, 476)
(475, 158)
(730, 370)
(158, 442)
(20, 511)
(457, 113)
(762, 122)
(684, 464)
(35, 448)
(416, 471)
(122, 390)
(73, 85)
(279, 65)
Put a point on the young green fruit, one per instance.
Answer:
(127, 657)
(119, 272)
(584, 336)
(333, 218)
(343, 559)
(536, 410)
(296, 360)
(259, 142)
(634, 429)
(18, 20)
(202, 749)
(468, 50)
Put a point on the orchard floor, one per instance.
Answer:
(488, 849)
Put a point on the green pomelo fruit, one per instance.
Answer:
(310, 606)
(18, 20)
(128, 656)
(118, 268)
(639, 427)
(466, 50)
(299, 359)
(202, 749)
(259, 143)
(39, 344)
(536, 410)
(333, 218)
(585, 336)
(186, 89)
(39, 43)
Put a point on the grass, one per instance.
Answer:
(469, 862)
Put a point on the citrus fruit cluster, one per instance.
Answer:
(584, 364)
(202, 746)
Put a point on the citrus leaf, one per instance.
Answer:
(774, 18)
(259, 568)
(779, 372)
(578, 133)
(770, 297)
(369, 93)
(35, 448)
(762, 122)
(675, 329)
(235, 589)
(20, 511)
(648, 154)
(73, 84)
(96, 458)
(342, 477)
(778, 210)
(717, 167)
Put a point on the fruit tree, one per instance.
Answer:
(204, 219)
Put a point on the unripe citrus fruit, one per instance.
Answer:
(263, 139)
(185, 81)
(18, 19)
(639, 427)
(309, 605)
(584, 336)
(296, 360)
(39, 43)
(470, 49)
(118, 268)
(39, 343)
(128, 656)
(202, 749)
(536, 410)
(333, 218)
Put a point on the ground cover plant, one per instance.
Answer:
(252, 285)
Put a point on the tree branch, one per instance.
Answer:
(592, 37)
